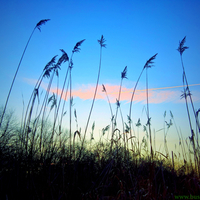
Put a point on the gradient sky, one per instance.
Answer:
(134, 31)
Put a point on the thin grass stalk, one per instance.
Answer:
(148, 118)
(15, 76)
(22, 114)
(102, 44)
(190, 159)
(26, 125)
(37, 26)
(34, 93)
(123, 75)
(181, 49)
(192, 139)
(190, 96)
(76, 49)
(104, 90)
(149, 65)
(165, 136)
(122, 119)
(61, 98)
(130, 109)
(66, 58)
(57, 74)
(62, 112)
(45, 73)
(181, 142)
(198, 147)
(138, 142)
(126, 146)
(154, 140)
(138, 124)
(147, 136)
(70, 111)
(27, 109)
(130, 131)
(22, 139)
(27, 128)
(123, 132)
(118, 102)
(76, 132)
(197, 135)
(47, 95)
(133, 94)
(52, 100)
(185, 94)
(112, 116)
(43, 109)
(36, 88)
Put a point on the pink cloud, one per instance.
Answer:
(156, 95)
(86, 92)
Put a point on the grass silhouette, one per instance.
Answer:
(38, 26)
(39, 159)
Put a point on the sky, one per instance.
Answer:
(134, 32)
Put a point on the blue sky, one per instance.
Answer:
(134, 31)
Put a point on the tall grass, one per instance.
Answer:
(38, 26)
(102, 44)
(123, 76)
(41, 160)
(187, 94)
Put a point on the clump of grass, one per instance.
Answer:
(96, 175)
(41, 160)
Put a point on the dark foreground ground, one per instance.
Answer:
(94, 178)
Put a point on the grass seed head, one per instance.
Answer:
(104, 89)
(182, 48)
(77, 46)
(150, 62)
(123, 74)
(50, 63)
(40, 23)
(102, 42)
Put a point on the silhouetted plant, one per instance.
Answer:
(185, 95)
(123, 75)
(149, 65)
(102, 44)
(138, 124)
(112, 116)
(38, 26)
(50, 163)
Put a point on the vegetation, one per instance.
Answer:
(41, 160)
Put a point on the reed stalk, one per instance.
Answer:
(102, 44)
(187, 93)
(123, 75)
(38, 26)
